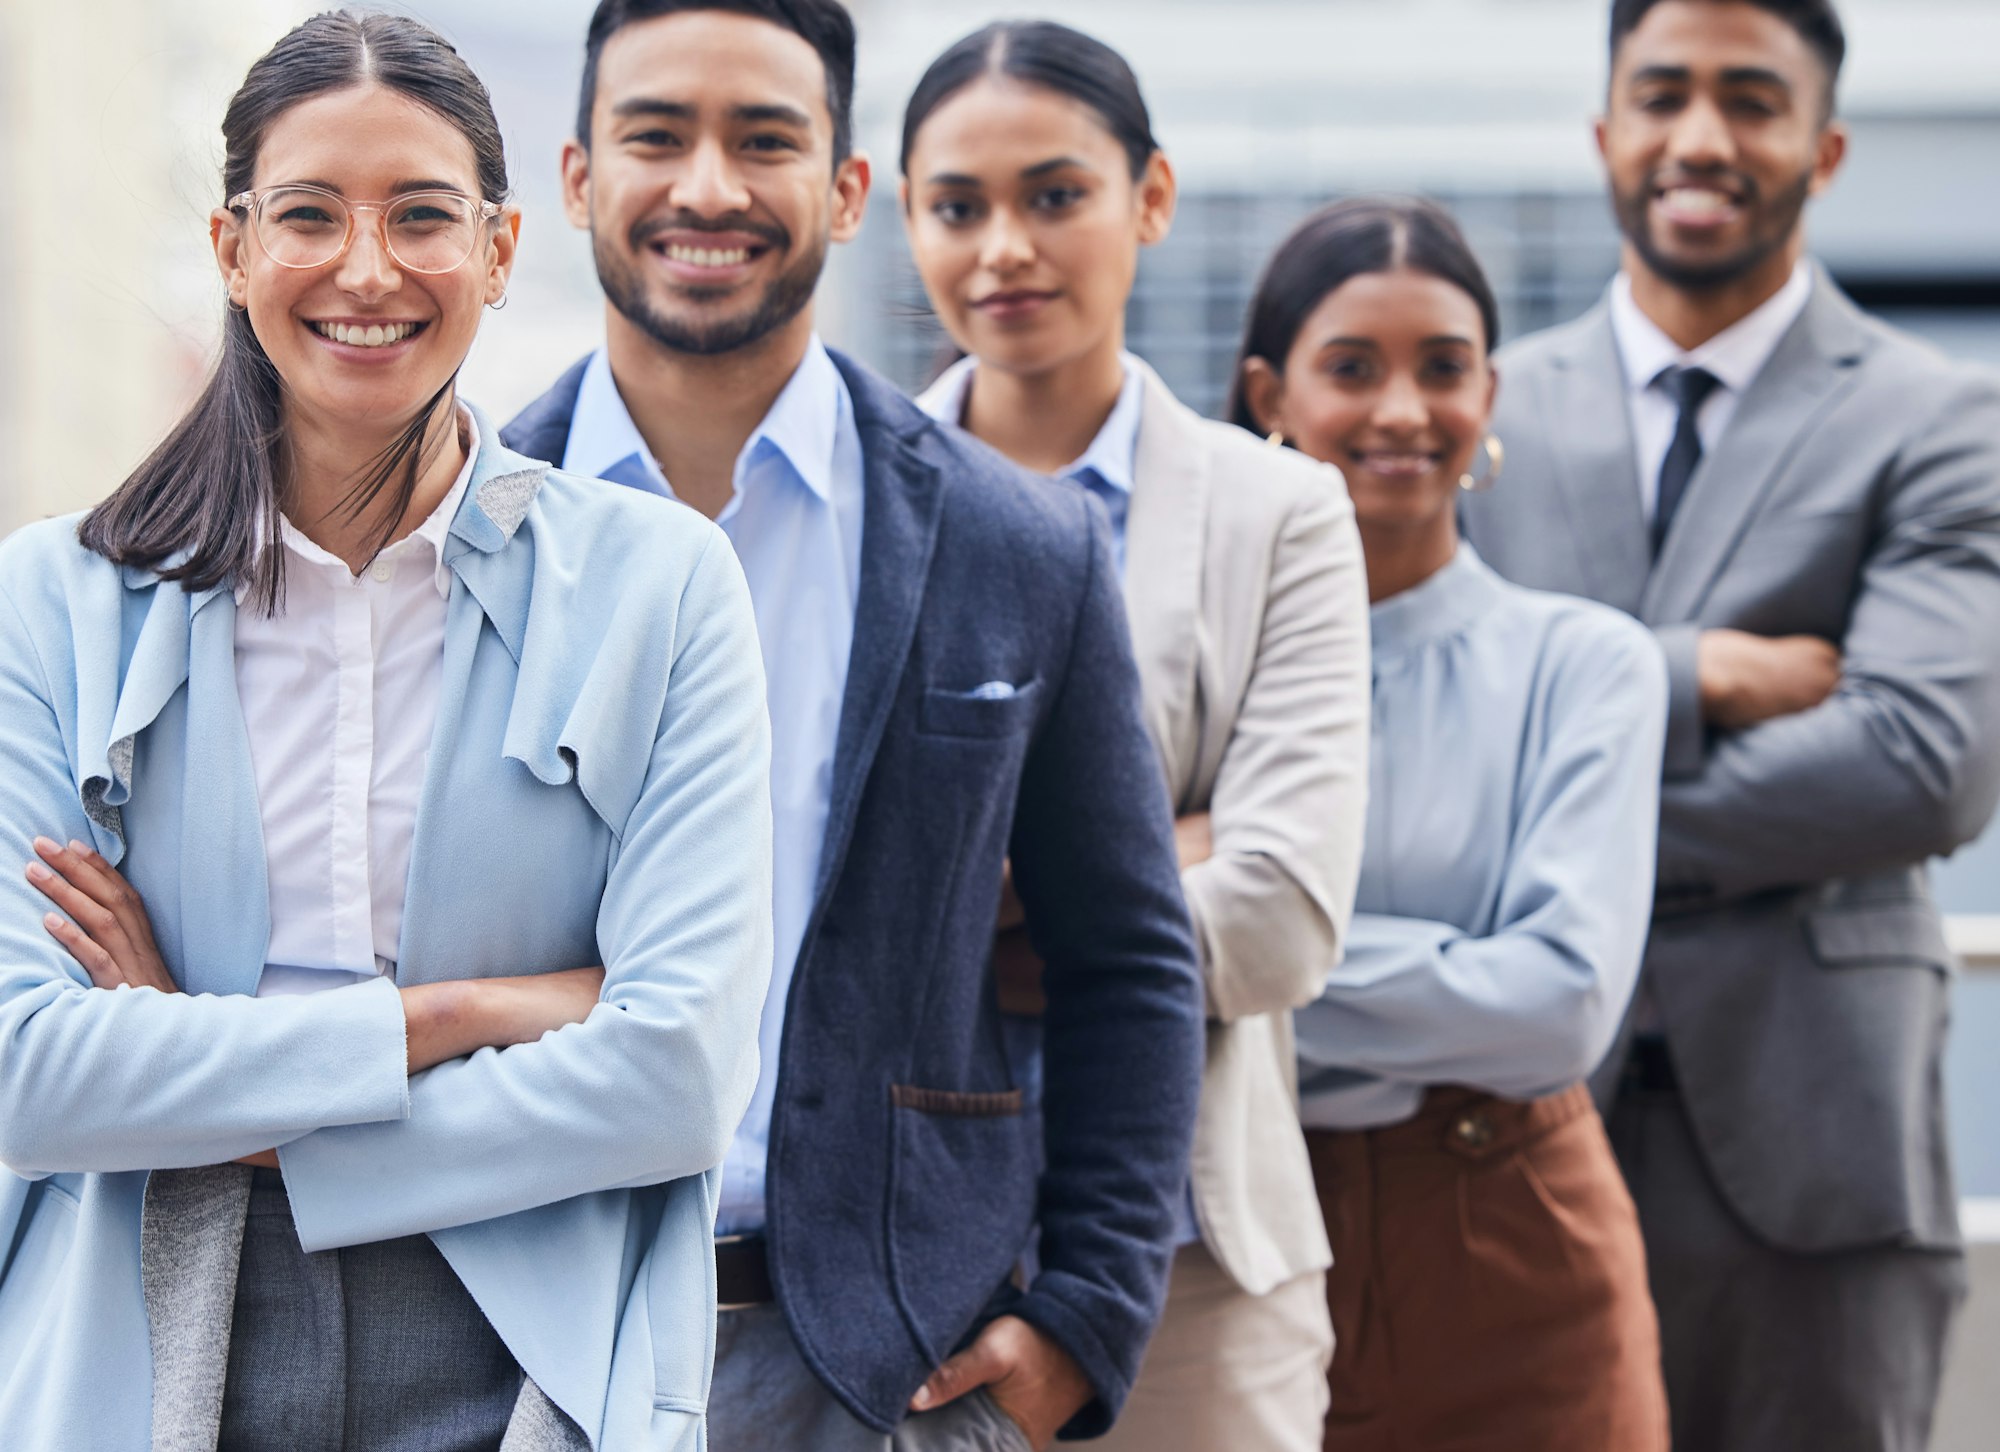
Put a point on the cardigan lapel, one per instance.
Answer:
(1797, 388)
(1165, 534)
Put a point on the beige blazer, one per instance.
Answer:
(1249, 611)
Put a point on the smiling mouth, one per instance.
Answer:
(719, 259)
(1696, 206)
(367, 335)
(1395, 463)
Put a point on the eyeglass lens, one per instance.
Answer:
(426, 231)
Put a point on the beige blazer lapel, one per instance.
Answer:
(1166, 530)
(1799, 388)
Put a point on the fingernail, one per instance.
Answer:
(46, 844)
(922, 1399)
(77, 847)
(39, 873)
(52, 921)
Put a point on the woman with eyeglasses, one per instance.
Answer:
(1488, 1287)
(1031, 183)
(383, 983)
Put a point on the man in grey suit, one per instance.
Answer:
(1805, 505)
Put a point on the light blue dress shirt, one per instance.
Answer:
(795, 521)
(1106, 468)
(1507, 879)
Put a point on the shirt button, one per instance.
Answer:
(383, 571)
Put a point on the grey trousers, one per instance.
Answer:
(1767, 1350)
(765, 1399)
(375, 1348)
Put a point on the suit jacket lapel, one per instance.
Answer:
(1797, 387)
(541, 430)
(901, 494)
(1165, 533)
(1596, 472)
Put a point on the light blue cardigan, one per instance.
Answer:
(597, 792)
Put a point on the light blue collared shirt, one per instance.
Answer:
(1106, 468)
(795, 520)
(1507, 878)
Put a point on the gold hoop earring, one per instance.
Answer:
(1276, 438)
(1496, 462)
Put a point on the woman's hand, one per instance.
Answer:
(452, 1019)
(107, 930)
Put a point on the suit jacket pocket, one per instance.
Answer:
(961, 1205)
(972, 712)
(1878, 935)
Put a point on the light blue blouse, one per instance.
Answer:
(1507, 880)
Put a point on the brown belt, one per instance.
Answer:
(742, 1272)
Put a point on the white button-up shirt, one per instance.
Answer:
(340, 691)
(795, 521)
(1736, 355)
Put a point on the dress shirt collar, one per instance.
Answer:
(1736, 355)
(430, 534)
(801, 427)
(1449, 603)
(1112, 455)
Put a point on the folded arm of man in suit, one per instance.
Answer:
(1271, 899)
(1123, 1024)
(1902, 761)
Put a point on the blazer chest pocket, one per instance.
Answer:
(1879, 935)
(994, 709)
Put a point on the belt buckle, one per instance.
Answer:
(720, 1241)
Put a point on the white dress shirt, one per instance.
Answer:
(795, 521)
(1105, 468)
(340, 691)
(1736, 355)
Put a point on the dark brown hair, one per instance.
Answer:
(193, 510)
(1816, 21)
(1344, 241)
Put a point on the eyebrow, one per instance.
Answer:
(768, 111)
(1028, 173)
(1733, 76)
(1373, 346)
(422, 184)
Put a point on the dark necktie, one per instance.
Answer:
(1689, 388)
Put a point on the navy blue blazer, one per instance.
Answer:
(906, 1168)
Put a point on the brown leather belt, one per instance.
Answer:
(742, 1272)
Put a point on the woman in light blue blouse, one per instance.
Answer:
(1489, 1285)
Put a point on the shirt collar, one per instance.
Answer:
(1448, 604)
(431, 533)
(1112, 455)
(1736, 355)
(801, 426)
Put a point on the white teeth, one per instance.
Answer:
(375, 335)
(1699, 200)
(708, 256)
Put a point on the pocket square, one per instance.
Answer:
(992, 691)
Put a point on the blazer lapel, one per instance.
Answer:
(1165, 534)
(1595, 471)
(1797, 387)
(901, 494)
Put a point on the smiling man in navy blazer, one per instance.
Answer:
(951, 686)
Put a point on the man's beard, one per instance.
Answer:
(1773, 223)
(783, 300)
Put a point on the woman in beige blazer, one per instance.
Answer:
(1030, 182)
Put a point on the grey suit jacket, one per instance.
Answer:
(1797, 958)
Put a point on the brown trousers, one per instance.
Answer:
(1488, 1285)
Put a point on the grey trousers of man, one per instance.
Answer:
(1767, 1350)
(765, 1399)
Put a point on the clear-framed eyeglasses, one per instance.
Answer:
(306, 226)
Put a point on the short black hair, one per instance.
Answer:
(825, 25)
(1816, 21)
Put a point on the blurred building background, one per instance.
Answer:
(110, 154)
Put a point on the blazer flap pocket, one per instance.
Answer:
(995, 708)
(1879, 933)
